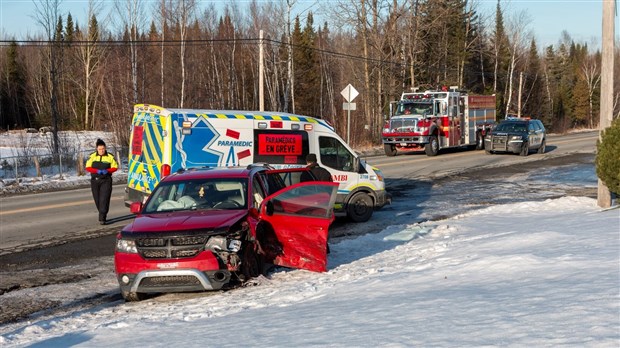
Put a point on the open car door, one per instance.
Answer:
(300, 216)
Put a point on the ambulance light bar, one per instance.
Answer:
(187, 128)
(307, 127)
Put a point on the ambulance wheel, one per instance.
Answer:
(390, 150)
(479, 141)
(432, 148)
(360, 207)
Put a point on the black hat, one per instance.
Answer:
(99, 143)
(311, 158)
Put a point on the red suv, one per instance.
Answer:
(211, 228)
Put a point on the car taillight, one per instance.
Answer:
(165, 170)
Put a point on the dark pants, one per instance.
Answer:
(102, 191)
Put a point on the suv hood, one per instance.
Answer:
(185, 220)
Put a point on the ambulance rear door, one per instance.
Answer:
(149, 129)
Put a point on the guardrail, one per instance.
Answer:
(65, 164)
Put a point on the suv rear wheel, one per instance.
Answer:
(541, 149)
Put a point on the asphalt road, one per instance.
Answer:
(44, 219)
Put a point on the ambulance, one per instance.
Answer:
(164, 141)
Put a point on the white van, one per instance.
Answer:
(166, 140)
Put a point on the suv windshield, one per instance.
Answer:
(220, 193)
(511, 127)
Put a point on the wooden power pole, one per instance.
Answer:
(607, 85)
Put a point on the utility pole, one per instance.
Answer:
(261, 72)
(607, 83)
(520, 91)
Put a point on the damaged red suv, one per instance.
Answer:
(213, 228)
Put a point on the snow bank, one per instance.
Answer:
(526, 274)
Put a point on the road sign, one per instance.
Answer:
(349, 106)
(349, 93)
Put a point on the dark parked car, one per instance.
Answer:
(205, 229)
(517, 136)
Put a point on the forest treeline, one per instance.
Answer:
(177, 54)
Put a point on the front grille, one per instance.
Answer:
(499, 142)
(171, 247)
(167, 281)
(153, 253)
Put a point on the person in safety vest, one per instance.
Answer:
(101, 165)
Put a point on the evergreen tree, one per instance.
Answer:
(69, 29)
(534, 94)
(307, 79)
(13, 97)
(607, 159)
(501, 60)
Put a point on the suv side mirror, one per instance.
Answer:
(269, 208)
(135, 207)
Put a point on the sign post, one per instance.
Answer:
(349, 93)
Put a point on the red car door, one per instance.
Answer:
(300, 216)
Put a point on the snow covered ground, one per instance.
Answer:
(525, 274)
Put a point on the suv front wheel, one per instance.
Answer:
(525, 149)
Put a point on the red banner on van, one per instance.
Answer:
(279, 144)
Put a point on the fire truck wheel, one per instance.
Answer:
(432, 148)
(390, 150)
(525, 149)
(360, 207)
(479, 141)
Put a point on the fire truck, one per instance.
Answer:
(435, 120)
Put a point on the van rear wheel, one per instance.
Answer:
(390, 150)
(360, 207)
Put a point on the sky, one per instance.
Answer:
(525, 274)
(580, 18)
